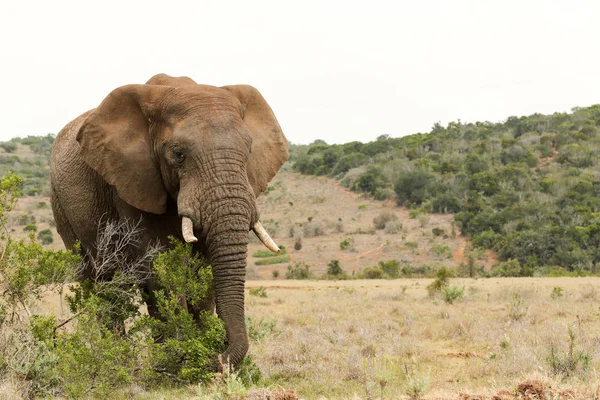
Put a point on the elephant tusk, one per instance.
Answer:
(187, 228)
(264, 237)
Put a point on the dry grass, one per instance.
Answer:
(351, 339)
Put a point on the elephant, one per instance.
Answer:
(188, 160)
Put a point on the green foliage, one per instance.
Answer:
(92, 353)
(557, 293)
(371, 273)
(260, 291)
(334, 268)
(414, 187)
(391, 268)
(541, 212)
(273, 260)
(8, 147)
(441, 281)
(45, 236)
(347, 244)
(371, 181)
(268, 253)
(438, 232)
(452, 293)
(34, 169)
(570, 362)
(183, 273)
(298, 271)
(259, 329)
(30, 228)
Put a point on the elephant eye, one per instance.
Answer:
(179, 156)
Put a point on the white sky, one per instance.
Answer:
(332, 70)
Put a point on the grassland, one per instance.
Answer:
(369, 339)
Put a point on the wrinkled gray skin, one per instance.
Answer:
(165, 150)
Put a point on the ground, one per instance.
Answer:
(367, 339)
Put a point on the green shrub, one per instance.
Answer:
(414, 187)
(260, 291)
(259, 329)
(452, 293)
(30, 228)
(45, 236)
(391, 268)
(441, 281)
(268, 253)
(298, 271)
(571, 361)
(334, 268)
(272, 260)
(371, 181)
(440, 250)
(371, 273)
(438, 232)
(8, 147)
(347, 244)
(557, 293)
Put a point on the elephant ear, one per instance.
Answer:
(115, 142)
(269, 145)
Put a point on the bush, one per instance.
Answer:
(393, 227)
(45, 236)
(571, 361)
(347, 244)
(298, 271)
(91, 354)
(371, 273)
(371, 181)
(8, 147)
(260, 291)
(391, 268)
(438, 232)
(452, 293)
(441, 281)
(383, 218)
(334, 268)
(30, 228)
(414, 187)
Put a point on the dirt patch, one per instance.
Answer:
(460, 252)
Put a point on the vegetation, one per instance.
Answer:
(91, 351)
(33, 168)
(526, 188)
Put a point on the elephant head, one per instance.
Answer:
(211, 150)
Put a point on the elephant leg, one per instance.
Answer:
(63, 226)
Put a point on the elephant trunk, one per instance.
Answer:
(227, 247)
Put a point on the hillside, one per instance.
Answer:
(527, 188)
(324, 217)
(524, 192)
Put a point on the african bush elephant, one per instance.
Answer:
(187, 159)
